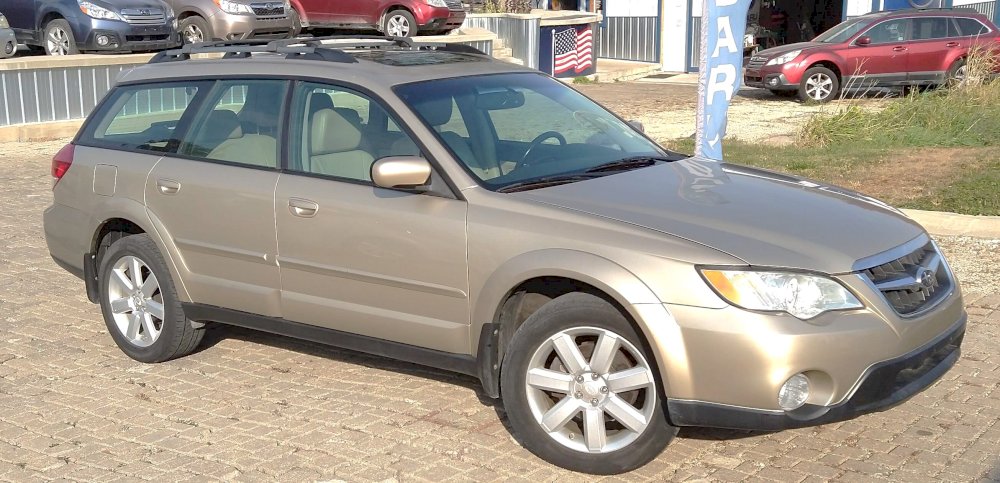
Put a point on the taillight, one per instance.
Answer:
(61, 163)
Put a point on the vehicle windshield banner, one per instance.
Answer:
(724, 23)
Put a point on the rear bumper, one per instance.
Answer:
(64, 227)
(241, 27)
(883, 386)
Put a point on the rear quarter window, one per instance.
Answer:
(969, 27)
(143, 117)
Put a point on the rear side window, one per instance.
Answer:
(239, 123)
(143, 117)
(929, 28)
(889, 32)
(969, 27)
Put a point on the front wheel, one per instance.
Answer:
(59, 38)
(580, 390)
(195, 29)
(819, 84)
(399, 23)
(140, 304)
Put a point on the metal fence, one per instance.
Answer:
(630, 38)
(986, 8)
(520, 34)
(694, 55)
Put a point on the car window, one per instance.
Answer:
(142, 117)
(843, 31)
(239, 123)
(540, 114)
(928, 28)
(969, 27)
(888, 32)
(339, 132)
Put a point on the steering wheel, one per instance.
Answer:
(539, 140)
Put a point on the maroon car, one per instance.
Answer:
(882, 49)
(398, 18)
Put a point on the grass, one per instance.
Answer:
(938, 150)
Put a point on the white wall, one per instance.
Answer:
(858, 7)
(674, 35)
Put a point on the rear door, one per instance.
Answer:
(214, 197)
(933, 38)
(357, 258)
(884, 60)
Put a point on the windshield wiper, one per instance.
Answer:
(625, 164)
(545, 182)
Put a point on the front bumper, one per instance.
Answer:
(442, 19)
(883, 386)
(764, 80)
(115, 36)
(241, 27)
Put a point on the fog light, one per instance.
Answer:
(103, 40)
(794, 392)
(773, 81)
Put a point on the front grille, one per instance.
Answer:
(913, 282)
(756, 62)
(269, 9)
(143, 16)
(454, 5)
(889, 378)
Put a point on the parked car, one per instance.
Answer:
(883, 49)
(431, 204)
(8, 43)
(397, 18)
(63, 27)
(203, 20)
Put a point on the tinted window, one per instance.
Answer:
(927, 28)
(888, 32)
(339, 132)
(239, 123)
(842, 32)
(969, 27)
(142, 117)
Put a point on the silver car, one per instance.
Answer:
(207, 20)
(430, 204)
(8, 44)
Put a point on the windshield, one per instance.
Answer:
(842, 31)
(512, 129)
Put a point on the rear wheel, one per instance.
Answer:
(580, 390)
(140, 305)
(958, 73)
(819, 84)
(59, 38)
(399, 23)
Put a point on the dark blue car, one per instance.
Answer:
(63, 27)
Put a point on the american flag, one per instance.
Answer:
(572, 49)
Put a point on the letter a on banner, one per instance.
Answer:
(723, 24)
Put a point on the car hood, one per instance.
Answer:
(777, 51)
(118, 5)
(761, 217)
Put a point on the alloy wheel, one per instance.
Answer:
(960, 75)
(819, 86)
(398, 26)
(193, 34)
(57, 41)
(135, 301)
(591, 390)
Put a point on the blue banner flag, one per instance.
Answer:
(724, 22)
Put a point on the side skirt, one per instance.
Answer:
(460, 363)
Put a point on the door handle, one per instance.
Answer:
(899, 49)
(952, 44)
(168, 186)
(302, 208)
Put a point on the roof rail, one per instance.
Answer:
(307, 48)
(959, 8)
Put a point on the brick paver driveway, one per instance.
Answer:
(252, 406)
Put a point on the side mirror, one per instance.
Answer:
(637, 125)
(863, 41)
(401, 172)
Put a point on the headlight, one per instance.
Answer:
(801, 295)
(784, 58)
(437, 3)
(230, 6)
(3, 22)
(95, 11)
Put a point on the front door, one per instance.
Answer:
(882, 62)
(357, 258)
(215, 197)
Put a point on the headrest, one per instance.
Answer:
(435, 111)
(223, 124)
(351, 115)
(331, 133)
(319, 100)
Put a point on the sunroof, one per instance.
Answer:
(405, 58)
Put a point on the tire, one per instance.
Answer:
(399, 23)
(194, 29)
(956, 74)
(10, 49)
(59, 38)
(579, 323)
(784, 93)
(131, 316)
(819, 84)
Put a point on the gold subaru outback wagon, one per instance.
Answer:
(426, 203)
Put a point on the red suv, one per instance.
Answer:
(398, 18)
(882, 49)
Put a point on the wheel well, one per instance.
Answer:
(117, 228)
(831, 66)
(187, 14)
(391, 8)
(48, 18)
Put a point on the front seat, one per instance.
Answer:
(335, 147)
